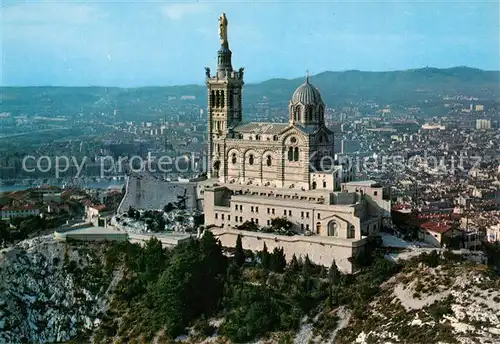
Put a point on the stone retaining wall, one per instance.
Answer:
(321, 250)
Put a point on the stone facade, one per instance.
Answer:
(261, 171)
(145, 191)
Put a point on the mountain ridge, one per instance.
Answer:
(419, 87)
(326, 72)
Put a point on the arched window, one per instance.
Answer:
(268, 160)
(222, 98)
(310, 114)
(212, 98)
(257, 137)
(333, 229)
(231, 100)
(314, 185)
(217, 98)
(233, 158)
(296, 154)
(275, 138)
(297, 111)
(250, 159)
(290, 154)
(351, 232)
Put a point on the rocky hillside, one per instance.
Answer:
(450, 303)
(121, 293)
(51, 292)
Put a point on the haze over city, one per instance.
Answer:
(168, 43)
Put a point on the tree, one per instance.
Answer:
(250, 256)
(333, 278)
(153, 258)
(265, 257)
(358, 260)
(294, 264)
(492, 250)
(307, 267)
(131, 212)
(333, 274)
(239, 254)
(278, 261)
(432, 259)
(4, 234)
(160, 223)
(306, 274)
(151, 225)
(168, 207)
(170, 294)
(191, 285)
(211, 272)
(281, 223)
(249, 226)
(233, 274)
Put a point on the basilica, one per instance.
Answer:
(297, 154)
(261, 171)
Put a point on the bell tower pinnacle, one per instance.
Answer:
(224, 54)
(224, 103)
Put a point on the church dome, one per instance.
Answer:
(307, 94)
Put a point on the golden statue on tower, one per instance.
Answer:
(223, 29)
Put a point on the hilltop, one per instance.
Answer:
(393, 87)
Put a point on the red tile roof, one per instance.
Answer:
(436, 227)
(87, 203)
(99, 207)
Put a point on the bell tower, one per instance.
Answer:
(224, 103)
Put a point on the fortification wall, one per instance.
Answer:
(144, 191)
(321, 250)
(166, 240)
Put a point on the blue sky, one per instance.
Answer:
(125, 43)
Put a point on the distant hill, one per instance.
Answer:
(388, 87)
(401, 87)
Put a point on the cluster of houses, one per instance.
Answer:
(53, 201)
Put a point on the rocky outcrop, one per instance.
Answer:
(51, 292)
(180, 221)
(447, 304)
